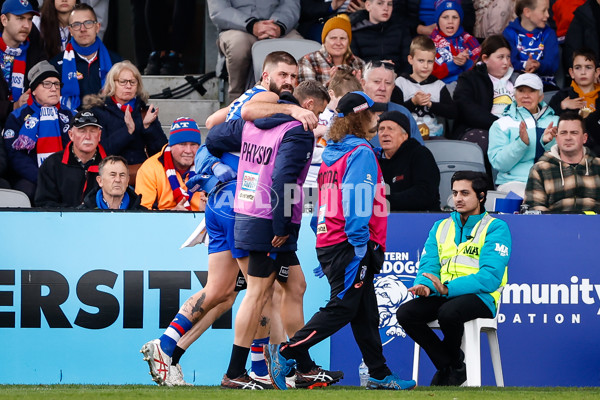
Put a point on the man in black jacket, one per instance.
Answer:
(407, 167)
(20, 49)
(113, 191)
(66, 177)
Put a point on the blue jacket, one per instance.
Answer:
(508, 154)
(362, 162)
(491, 261)
(542, 44)
(257, 233)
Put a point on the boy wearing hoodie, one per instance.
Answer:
(534, 44)
(457, 51)
(567, 178)
(583, 95)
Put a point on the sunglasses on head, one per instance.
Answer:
(384, 64)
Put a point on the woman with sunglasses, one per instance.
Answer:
(37, 129)
(335, 52)
(130, 128)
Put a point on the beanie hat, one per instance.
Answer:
(397, 117)
(340, 21)
(41, 71)
(445, 5)
(183, 130)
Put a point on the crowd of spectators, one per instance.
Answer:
(496, 73)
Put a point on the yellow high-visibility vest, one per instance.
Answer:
(462, 260)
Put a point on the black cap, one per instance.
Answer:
(397, 117)
(356, 102)
(85, 118)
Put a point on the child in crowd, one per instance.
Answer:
(583, 95)
(457, 50)
(534, 43)
(425, 96)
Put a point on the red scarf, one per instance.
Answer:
(178, 192)
(17, 76)
(124, 107)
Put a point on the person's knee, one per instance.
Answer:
(236, 45)
(402, 315)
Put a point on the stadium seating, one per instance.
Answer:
(10, 198)
(296, 47)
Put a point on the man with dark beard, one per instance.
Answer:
(280, 74)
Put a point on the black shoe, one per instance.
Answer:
(441, 377)
(172, 65)
(457, 376)
(154, 63)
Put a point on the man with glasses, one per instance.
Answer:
(85, 61)
(35, 131)
(18, 53)
(69, 175)
(378, 83)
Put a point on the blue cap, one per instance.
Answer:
(18, 7)
(445, 5)
(183, 130)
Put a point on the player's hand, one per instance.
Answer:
(223, 172)
(308, 118)
(279, 241)
(360, 251)
(420, 290)
(439, 286)
(319, 272)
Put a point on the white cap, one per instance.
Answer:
(531, 80)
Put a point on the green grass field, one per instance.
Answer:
(145, 392)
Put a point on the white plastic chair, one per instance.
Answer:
(10, 198)
(471, 346)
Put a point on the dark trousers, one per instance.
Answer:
(451, 314)
(352, 301)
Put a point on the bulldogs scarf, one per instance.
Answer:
(130, 105)
(17, 77)
(70, 91)
(41, 129)
(178, 192)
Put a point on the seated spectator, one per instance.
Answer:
(457, 50)
(161, 179)
(20, 50)
(583, 95)
(54, 26)
(69, 175)
(85, 62)
(584, 31)
(374, 25)
(322, 64)
(492, 17)
(524, 132)
(483, 92)
(378, 84)
(33, 132)
(425, 96)
(408, 168)
(567, 178)
(562, 13)
(241, 24)
(534, 44)
(131, 128)
(113, 191)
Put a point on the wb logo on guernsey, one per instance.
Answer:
(391, 288)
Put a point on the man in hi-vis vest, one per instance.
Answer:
(462, 271)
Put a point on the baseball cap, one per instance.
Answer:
(530, 80)
(18, 7)
(85, 118)
(397, 117)
(356, 102)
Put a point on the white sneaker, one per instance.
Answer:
(290, 381)
(175, 377)
(158, 361)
